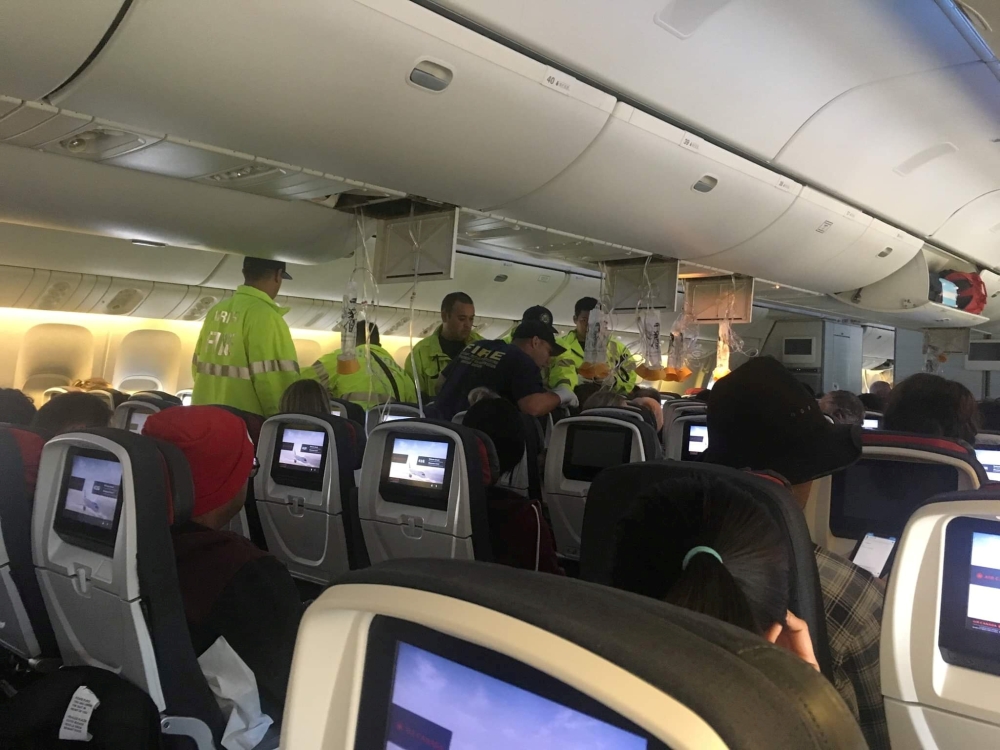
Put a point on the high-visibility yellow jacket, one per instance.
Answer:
(244, 357)
(370, 385)
(565, 369)
(431, 360)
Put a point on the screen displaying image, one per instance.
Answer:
(873, 553)
(870, 424)
(186, 399)
(336, 411)
(438, 704)
(92, 491)
(136, 420)
(418, 463)
(394, 417)
(698, 439)
(990, 459)
(302, 449)
(984, 584)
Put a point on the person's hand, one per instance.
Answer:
(794, 637)
(566, 396)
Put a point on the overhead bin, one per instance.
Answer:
(323, 281)
(975, 229)
(652, 186)
(916, 148)
(747, 71)
(57, 192)
(822, 244)
(44, 43)
(383, 91)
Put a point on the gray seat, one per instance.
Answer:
(687, 437)
(131, 415)
(423, 491)
(389, 413)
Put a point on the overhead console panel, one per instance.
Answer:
(57, 192)
(42, 44)
(651, 186)
(382, 91)
(748, 71)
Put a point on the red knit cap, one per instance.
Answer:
(217, 447)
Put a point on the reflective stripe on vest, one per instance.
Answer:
(273, 365)
(221, 371)
(321, 374)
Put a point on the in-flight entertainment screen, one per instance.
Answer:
(416, 470)
(990, 459)
(695, 440)
(592, 448)
(136, 420)
(299, 457)
(90, 499)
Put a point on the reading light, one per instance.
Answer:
(149, 243)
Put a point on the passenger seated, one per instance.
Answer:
(871, 402)
(70, 412)
(16, 408)
(519, 534)
(706, 545)
(931, 405)
(881, 390)
(305, 397)
(653, 406)
(843, 407)
(603, 399)
(760, 417)
(989, 415)
(230, 588)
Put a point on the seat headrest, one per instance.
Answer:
(930, 444)
(488, 460)
(180, 484)
(253, 421)
(624, 413)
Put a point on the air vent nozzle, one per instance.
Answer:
(431, 76)
(706, 184)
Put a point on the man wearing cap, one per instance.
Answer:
(760, 417)
(230, 589)
(536, 312)
(566, 369)
(512, 370)
(244, 357)
(431, 355)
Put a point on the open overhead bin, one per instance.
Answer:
(916, 148)
(975, 229)
(652, 186)
(42, 44)
(45, 190)
(822, 244)
(383, 91)
(749, 71)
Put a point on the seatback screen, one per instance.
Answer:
(299, 457)
(416, 470)
(695, 440)
(880, 495)
(90, 500)
(970, 595)
(990, 459)
(136, 421)
(870, 424)
(592, 448)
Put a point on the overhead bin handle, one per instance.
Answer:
(432, 76)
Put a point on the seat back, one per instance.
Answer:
(678, 408)
(389, 413)
(687, 437)
(158, 397)
(305, 479)
(941, 626)
(897, 472)
(526, 478)
(26, 630)
(605, 508)
(185, 396)
(104, 558)
(423, 491)
(347, 409)
(645, 421)
(460, 654)
(579, 449)
(131, 415)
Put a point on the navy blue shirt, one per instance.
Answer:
(497, 365)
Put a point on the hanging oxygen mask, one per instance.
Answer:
(652, 356)
(722, 351)
(347, 360)
(595, 352)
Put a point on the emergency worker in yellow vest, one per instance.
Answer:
(378, 380)
(244, 357)
(565, 369)
(434, 353)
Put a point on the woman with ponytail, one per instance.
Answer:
(706, 545)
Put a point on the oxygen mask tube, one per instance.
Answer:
(648, 322)
(595, 348)
(413, 312)
(347, 360)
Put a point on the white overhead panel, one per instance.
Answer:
(383, 91)
(654, 187)
(43, 43)
(749, 71)
(44, 190)
(173, 157)
(416, 248)
(881, 251)
(975, 229)
(720, 298)
(915, 148)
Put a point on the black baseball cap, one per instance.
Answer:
(265, 264)
(761, 417)
(530, 328)
(538, 312)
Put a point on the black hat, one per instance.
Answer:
(530, 328)
(265, 264)
(539, 313)
(761, 417)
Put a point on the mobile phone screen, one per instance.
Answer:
(872, 553)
